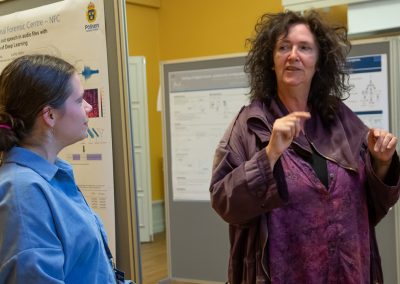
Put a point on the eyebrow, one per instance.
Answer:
(80, 97)
(285, 40)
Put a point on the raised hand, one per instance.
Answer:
(284, 130)
(381, 145)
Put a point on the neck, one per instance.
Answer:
(43, 147)
(294, 99)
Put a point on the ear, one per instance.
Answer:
(48, 116)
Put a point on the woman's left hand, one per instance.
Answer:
(381, 145)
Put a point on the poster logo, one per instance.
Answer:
(91, 15)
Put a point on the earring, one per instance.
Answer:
(52, 132)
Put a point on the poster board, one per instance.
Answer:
(197, 243)
(56, 20)
(387, 232)
(197, 238)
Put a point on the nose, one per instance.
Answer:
(294, 54)
(88, 107)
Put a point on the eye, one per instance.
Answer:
(283, 47)
(305, 48)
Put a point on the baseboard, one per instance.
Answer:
(158, 216)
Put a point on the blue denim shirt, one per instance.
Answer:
(48, 233)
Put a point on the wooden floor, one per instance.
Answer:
(154, 260)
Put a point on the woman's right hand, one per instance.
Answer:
(284, 130)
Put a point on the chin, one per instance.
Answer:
(293, 83)
(82, 137)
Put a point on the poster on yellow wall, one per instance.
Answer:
(75, 31)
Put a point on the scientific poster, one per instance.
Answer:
(370, 91)
(202, 105)
(75, 31)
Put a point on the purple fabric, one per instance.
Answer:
(321, 235)
(245, 192)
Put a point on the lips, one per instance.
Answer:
(292, 68)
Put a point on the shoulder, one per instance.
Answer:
(238, 124)
(20, 177)
(25, 213)
(254, 110)
(345, 111)
(349, 118)
(22, 188)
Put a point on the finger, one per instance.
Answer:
(374, 133)
(385, 142)
(292, 125)
(392, 143)
(370, 136)
(298, 127)
(378, 140)
(284, 127)
(301, 116)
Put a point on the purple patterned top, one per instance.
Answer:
(321, 235)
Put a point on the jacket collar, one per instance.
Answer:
(341, 143)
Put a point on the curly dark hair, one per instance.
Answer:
(330, 82)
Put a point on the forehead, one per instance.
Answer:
(76, 85)
(299, 31)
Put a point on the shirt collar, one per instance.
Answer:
(26, 158)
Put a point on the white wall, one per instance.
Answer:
(373, 17)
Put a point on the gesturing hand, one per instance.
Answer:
(284, 130)
(381, 145)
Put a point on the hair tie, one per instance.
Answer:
(5, 126)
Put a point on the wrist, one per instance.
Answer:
(271, 155)
(381, 163)
(381, 168)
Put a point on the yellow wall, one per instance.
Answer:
(187, 29)
(143, 39)
(209, 27)
(336, 14)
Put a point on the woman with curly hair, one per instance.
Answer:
(300, 179)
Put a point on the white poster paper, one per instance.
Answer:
(369, 94)
(201, 110)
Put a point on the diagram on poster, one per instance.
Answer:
(202, 105)
(369, 94)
